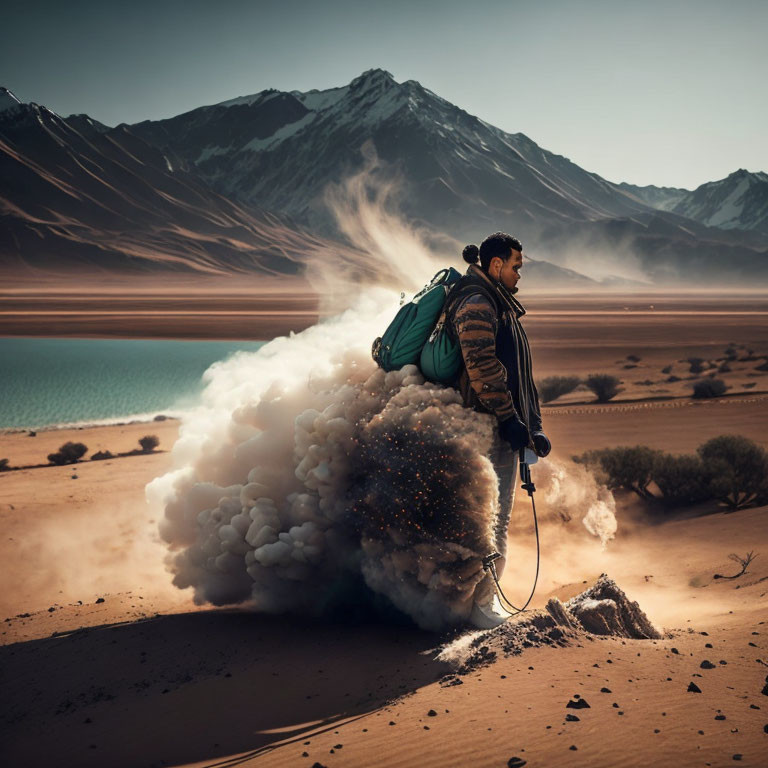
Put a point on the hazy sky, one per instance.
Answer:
(669, 93)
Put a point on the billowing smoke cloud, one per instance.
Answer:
(307, 469)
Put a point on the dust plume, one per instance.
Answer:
(307, 469)
(92, 552)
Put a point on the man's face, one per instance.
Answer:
(507, 272)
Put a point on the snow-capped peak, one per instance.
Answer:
(372, 78)
(8, 100)
(735, 202)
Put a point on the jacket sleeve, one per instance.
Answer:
(475, 323)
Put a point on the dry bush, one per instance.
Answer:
(552, 387)
(709, 388)
(696, 364)
(681, 479)
(4, 465)
(148, 443)
(69, 453)
(631, 468)
(736, 470)
(101, 455)
(604, 386)
(742, 561)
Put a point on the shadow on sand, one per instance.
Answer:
(199, 687)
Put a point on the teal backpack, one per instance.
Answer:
(419, 334)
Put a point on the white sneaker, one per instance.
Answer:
(489, 615)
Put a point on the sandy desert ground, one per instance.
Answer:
(104, 663)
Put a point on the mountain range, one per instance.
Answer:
(244, 185)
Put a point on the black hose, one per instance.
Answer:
(525, 474)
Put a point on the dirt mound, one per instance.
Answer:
(603, 609)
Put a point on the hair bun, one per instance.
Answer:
(470, 254)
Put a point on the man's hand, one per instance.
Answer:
(514, 432)
(541, 444)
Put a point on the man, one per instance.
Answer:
(497, 378)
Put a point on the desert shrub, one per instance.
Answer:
(681, 479)
(724, 368)
(731, 353)
(696, 364)
(101, 455)
(148, 443)
(69, 453)
(666, 369)
(709, 388)
(4, 465)
(603, 385)
(634, 358)
(624, 467)
(735, 469)
(552, 387)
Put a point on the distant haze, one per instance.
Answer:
(665, 93)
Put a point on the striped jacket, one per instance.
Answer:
(497, 376)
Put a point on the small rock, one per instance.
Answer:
(693, 688)
(305, 754)
(516, 762)
(577, 704)
(605, 690)
(573, 747)
(719, 717)
(572, 718)
(737, 756)
(100, 600)
(431, 713)
(674, 650)
(51, 609)
(706, 664)
(708, 645)
(338, 746)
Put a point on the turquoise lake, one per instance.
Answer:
(62, 381)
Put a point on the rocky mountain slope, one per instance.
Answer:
(77, 196)
(255, 183)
